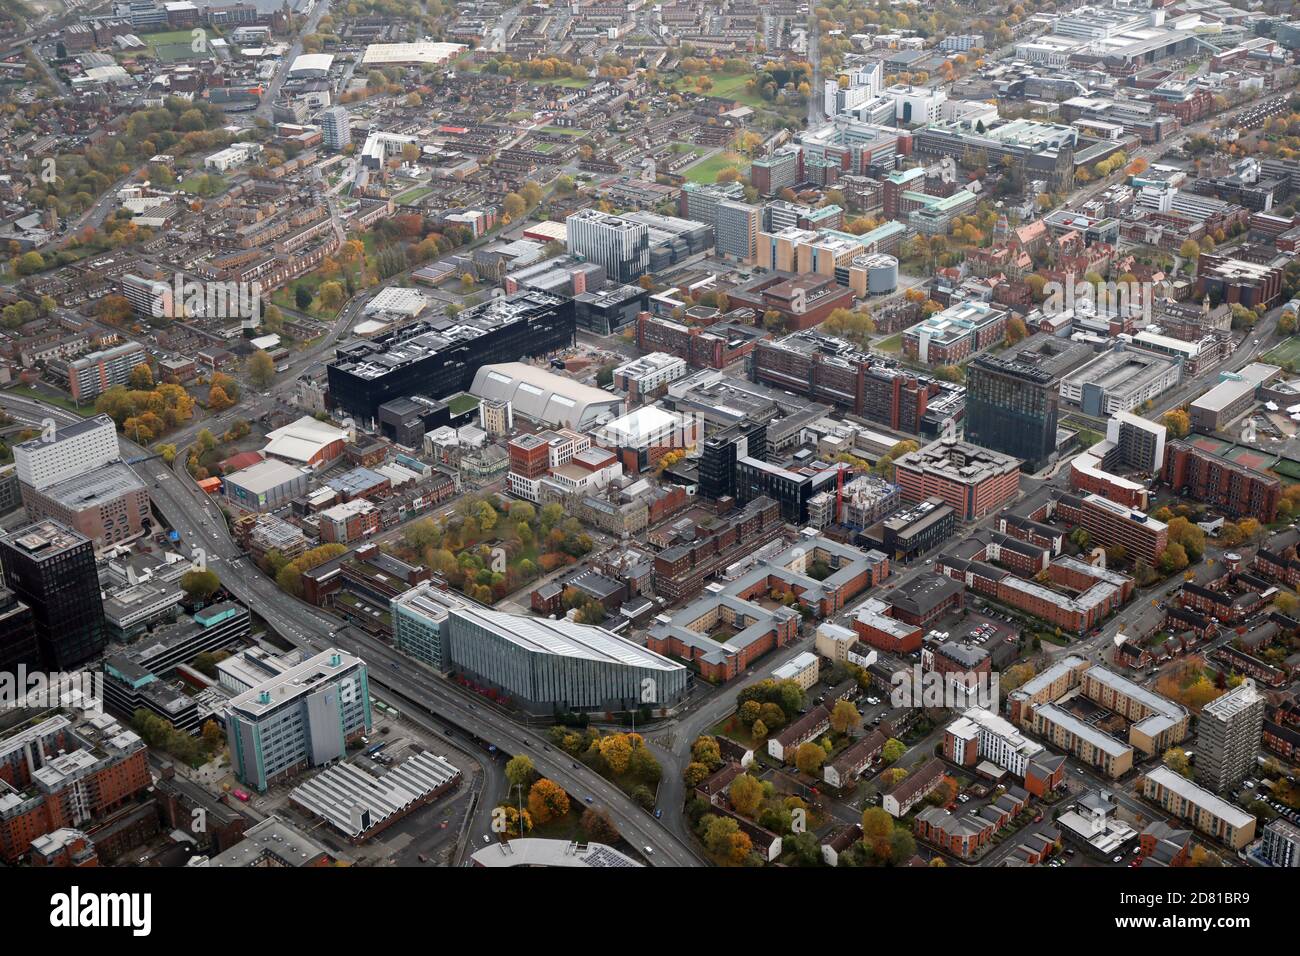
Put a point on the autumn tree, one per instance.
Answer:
(746, 794)
(844, 717)
(261, 369)
(547, 801)
(809, 757)
(519, 771)
(199, 585)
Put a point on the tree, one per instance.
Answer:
(617, 751)
(261, 369)
(695, 774)
(723, 838)
(746, 794)
(1175, 758)
(200, 585)
(519, 771)
(547, 801)
(809, 758)
(1178, 422)
(705, 750)
(1016, 330)
(141, 378)
(599, 827)
(844, 717)
(302, 297)
(893, 749)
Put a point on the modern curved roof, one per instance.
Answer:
(544, 396)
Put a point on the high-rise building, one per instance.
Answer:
(973, 480)
(51, 569)
(17, 635)
(619, 245)
(722, 451)
(70, 451)
(1228, 735)
(336, 127)
(1012, 400)
(302, 717)
(735, 223)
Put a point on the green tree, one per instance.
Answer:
(200, 585)
(261, 369)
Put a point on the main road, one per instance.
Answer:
(201, 525)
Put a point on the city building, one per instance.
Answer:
(1230, 488)
(955, 334)
(70, 451)
(618, 245)
(544, 397)
(1120, 380)
(55, 775)
(1012, 398)
(336, 127)
(981, 735)
(1228, 732)
(108, 505)
(974, 481)
(300, 718)
(18, 645)
(438, 357)
(1206, 812)
(611, 310)
(544, 666)
(735, 223)
(51, 569)
(1280, 843)
(1230, 397)
(267, 485)
(89, 376)
(1110, 524)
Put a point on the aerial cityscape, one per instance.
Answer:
(471, 434)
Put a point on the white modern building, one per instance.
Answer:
(620, 245)
(67, 452)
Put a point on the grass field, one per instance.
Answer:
(174, 46)
(707, 170)
(727, 87)
(564, 130)
(413, 195)
(1287, 351)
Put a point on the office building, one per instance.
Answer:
(51, 569)
(300, 718)
(1230, 397)
(438, 357)
(72, 450)
(108, 505)
(1134, 442)
(1120, 380)
(1012, 398)
(722, 452)
(953, 335)
(543, 666)
(973, 480)
(735, 223)
(18, 647)
(793, 486)
(620, 246)
(1227, 738)
(1207, 812)
(831, 370)
(609, 311)
(336, 127)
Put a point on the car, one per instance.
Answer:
(587, 799)
(649, 851)
(1137, 849)
(1038, 818)
(1137, 862)
(1069, 851)
(1079, 771)
(658, 814)
(1117, 858)
(575, 766)
(486, 838)
(422, 858)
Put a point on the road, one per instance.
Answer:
(201, 524)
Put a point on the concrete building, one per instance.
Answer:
(974, 481)
(70, 451)
(302, 717)
(620, 246)
(1228, 736)
(1207, 812)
